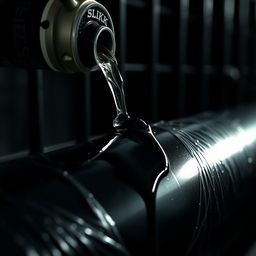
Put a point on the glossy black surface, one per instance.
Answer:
(204, 206)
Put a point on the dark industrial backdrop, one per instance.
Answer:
(177, 58)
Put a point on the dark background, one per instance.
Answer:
(177, 58)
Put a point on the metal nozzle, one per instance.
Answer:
(74, 33)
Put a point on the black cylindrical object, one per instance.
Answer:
(55, 34)
(204, 206)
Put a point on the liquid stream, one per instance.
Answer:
(139, 131)
(123, 123)
(109, 67)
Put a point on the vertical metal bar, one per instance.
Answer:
(155, 37)
(35, 110)
(83, 107)
(182, 56)
(229, 12)
(206, 50)
(123, 35)
(229, 70)
(251, 48)
(243, 25)
(222, 51)
(253, 33)
(122, 47)
(88, 106)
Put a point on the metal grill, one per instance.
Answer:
(177, 58)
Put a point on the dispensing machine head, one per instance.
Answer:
(72, 32)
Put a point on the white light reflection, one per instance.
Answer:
(157, 180)
(64, 246)
(88, 231)
(219, 152)
(188, 170)
(108, 144)
(110, 220)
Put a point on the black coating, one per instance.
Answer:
(206, 209)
